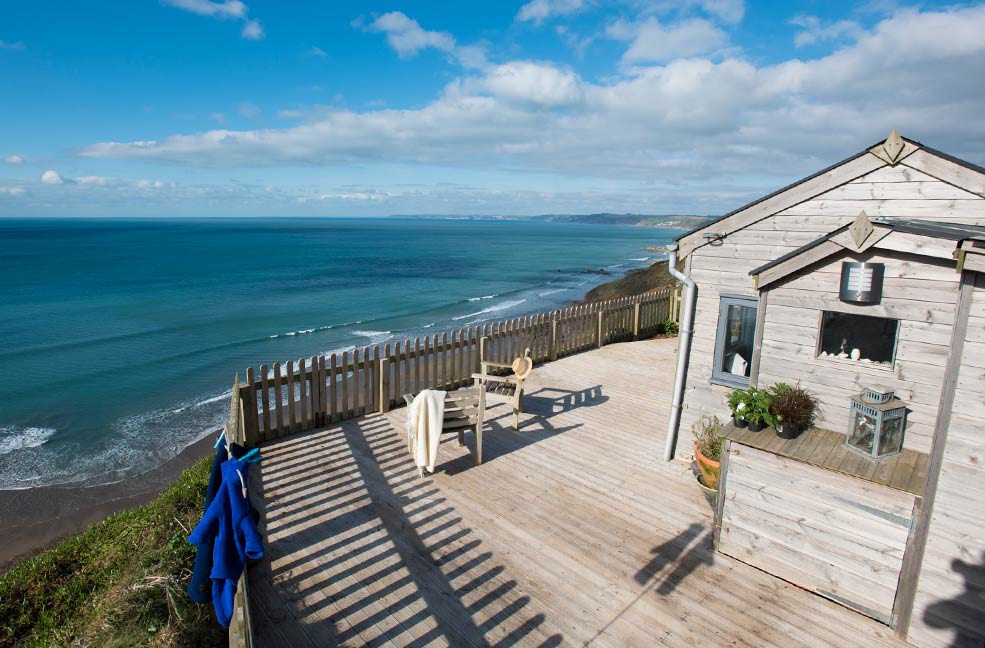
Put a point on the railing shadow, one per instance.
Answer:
(542, 405)
(363, 552)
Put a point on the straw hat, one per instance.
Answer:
(523, 366)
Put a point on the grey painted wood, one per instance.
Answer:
(757, 345)
(909, 578)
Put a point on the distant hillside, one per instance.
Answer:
(647, 220)
(633, 283)
(680, 221)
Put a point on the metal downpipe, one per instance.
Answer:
(684, 348)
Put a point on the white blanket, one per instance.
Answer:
(425, 416)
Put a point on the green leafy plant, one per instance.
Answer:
(738, 402)
(668, 327)
(707, 432)
(758, 406)
(792, 405)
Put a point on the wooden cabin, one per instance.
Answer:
(901, 538)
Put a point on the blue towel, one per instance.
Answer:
(200, 587)
(228, 525)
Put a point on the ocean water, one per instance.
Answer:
(119, 339)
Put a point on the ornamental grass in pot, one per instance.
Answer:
(793, 410)
(707, 432)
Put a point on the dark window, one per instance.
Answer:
(733, 345)
(863, 338)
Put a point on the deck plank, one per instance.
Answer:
(572, 531)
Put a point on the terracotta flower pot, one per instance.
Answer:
(707, 467)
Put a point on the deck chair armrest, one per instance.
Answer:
(498, 365)
(499, 379)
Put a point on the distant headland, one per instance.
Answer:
(644, 220)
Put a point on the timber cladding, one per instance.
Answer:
(839, 536)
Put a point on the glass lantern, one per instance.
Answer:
(876, 423)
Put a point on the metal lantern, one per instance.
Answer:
(861, 283)
(876, 423)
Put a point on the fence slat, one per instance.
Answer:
(267, 432)
(303, 389)
(292, 414)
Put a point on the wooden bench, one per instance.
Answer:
(464, 408)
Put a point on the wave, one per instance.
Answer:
(643, 259)
(371, 334)
(475, 299)
(492, 309)
(316, 329)
(208, 401)
(12, 438)
(552, 292)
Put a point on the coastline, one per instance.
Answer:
(36, 519)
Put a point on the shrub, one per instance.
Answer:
(793, 405)
(668, 327)
(707, 432)
(758, 406)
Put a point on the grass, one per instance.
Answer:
(119, 583)
(634, 283)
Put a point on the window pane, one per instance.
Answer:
(740, 331)
(868, 339)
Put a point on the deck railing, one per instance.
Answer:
(320, 390)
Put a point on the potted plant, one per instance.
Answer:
(757, 410)
(794, 409)
(738, 402)
(707, 433)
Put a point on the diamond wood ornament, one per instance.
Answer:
(861, 229)
(893, 146)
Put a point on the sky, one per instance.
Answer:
(264, 108)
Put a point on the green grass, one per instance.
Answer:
(119, 583)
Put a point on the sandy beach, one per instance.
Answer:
(35, 519)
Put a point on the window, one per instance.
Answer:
(862, 338)
(733, 346)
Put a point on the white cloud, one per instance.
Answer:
(218, 117)
(358, 196)
(728, 11)
(538, 11)
(51, 177)
(655, 42)
(14, 159)
(317, 51)
(11, 191)
(249, 110)
(13, 47)
(93, 180)
(814, 30)
(727, 123)
(224, 10)
(407, 38)
(253, 30)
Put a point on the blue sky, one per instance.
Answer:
(199, 107)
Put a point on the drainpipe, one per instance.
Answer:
(684, 347)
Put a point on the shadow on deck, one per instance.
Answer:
(572, 532)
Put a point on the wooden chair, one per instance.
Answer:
(511, 386)
(464, 408)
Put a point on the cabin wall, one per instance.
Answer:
(900, 191)
(922, 294)
(949, 608)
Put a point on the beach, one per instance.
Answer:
(34, 519)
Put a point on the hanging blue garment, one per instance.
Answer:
(200, 587)
(229, 526)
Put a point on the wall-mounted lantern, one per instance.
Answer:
(876, 423)
(861, 283)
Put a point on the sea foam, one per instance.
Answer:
(12, 438)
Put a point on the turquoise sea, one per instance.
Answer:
(119, 339)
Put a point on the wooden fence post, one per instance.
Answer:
(552, 343)
(483, 346)
(248, 403)
(601, 337)
(385, 385)
(636, 321)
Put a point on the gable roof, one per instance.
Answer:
(826, 246)
(947, 168)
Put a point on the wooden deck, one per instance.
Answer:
(573, 532)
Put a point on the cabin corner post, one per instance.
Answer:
(913, 558)
(757, 344)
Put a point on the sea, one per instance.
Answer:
(119, 339)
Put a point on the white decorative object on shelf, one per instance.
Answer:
(856, 354)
